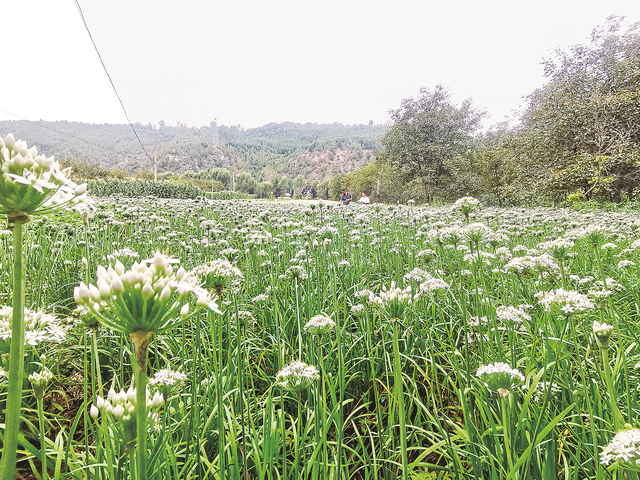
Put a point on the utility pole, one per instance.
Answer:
(215, 132)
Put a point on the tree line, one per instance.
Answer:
(578, 138)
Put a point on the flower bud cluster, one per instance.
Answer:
(392, 301)
(39, 382)
(144, 298)
(33, 183)
(500, 377)
(602, 332)
(122, 404)
(119, 410)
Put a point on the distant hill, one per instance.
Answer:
(316, 151)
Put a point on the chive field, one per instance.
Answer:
(357, 342)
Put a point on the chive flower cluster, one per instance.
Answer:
(38, 326)
(500, 377)
(568, 301)
(297, 376)
(512, 315)
(143, 299)
(319, 325)
(623, 449)
(165, 380)
(218, 274)
(466, 205)
(32, 183)
(392, 301)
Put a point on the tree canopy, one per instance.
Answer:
(427, 132)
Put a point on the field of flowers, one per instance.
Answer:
(364, 342)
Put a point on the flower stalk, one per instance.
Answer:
(16, 360)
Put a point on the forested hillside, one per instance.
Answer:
(285, 150)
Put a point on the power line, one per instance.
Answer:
(109, 77)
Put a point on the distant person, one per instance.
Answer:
(326, 194)
(346, 197)
(364, 200)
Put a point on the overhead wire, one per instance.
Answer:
(109, 77)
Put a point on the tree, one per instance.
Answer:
(244, 181)
(581, 131)
(426, 133)
(299, 182)
(222, 175)
(264, 189)
(383, 182)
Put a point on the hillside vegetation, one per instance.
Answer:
(277, 152)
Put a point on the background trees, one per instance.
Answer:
(580, 134)
(581, 131)
(427, 132)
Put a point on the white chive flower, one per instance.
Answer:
(568, 301)
(147, 298)
(623, 450)
(500, 377)
(319, 325)
(38, 327)
(33, 184)
(297, 376)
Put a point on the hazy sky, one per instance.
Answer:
(252, 62)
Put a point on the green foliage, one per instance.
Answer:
(580, 132)
(244, 182)
(141, 188)
(287, 149)
(428, 132)
(383, 183)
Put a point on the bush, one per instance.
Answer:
(140, 188)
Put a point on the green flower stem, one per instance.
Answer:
(397, 384)
(43, 443)
(85, 381)
(16, 361)
(618, 420)
(562, 273)
(141, 342)
(141, 422)
(96, 361)
(299, 442)
(506, 429)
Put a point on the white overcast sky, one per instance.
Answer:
(252, 62)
